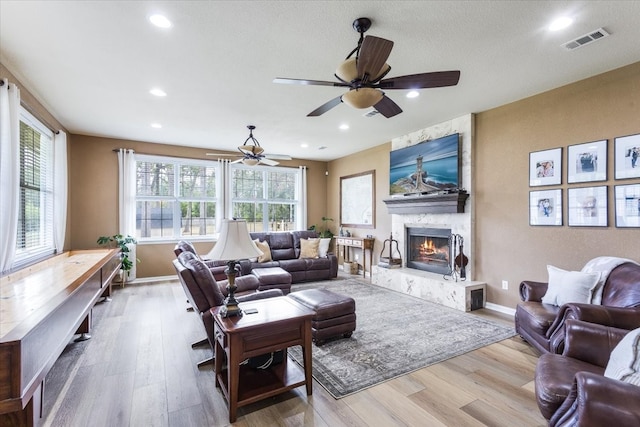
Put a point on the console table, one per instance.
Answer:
(278, 323)
(41, 308)
(365, 244)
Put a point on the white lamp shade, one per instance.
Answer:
(234, 242)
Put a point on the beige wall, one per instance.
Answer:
(376, 158)
(507, 248)
(93, 193)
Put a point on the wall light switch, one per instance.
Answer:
(505, 284)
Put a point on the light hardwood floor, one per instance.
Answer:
(139, 370)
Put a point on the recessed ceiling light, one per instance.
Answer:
(160, 21)
(344, 126)
(304, 145)
(560, 23)
(157, 92)
(156, 125)
(413, 94)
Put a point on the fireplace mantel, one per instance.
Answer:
(427, 203)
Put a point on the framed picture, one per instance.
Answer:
(627, 158)
(545, 167)
(587, 162)
(627, 205)
(357, 200)
(545, 207)
(587, 206)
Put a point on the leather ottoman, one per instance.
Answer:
(273, 278)
(335, 314)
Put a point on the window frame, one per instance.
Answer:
(27, 256)
(265, 200)
(177, 197)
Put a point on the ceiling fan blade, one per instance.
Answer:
(269, 162)
(373, 55)
(387, 107)
(308, 82)
(223, 155)
(237, 161)
(278, 156)
(325, 107)
(422, 81)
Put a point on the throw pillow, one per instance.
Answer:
(624, 362)
(266, 251)
(309, 248)
(323, 248)
(569, 286)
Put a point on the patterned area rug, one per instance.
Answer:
(395, 334)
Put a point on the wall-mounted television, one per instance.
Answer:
(426, 167)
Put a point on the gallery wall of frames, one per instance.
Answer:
(587, 203)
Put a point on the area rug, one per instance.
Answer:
(395, 334)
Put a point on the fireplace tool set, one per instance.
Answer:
(457, 263)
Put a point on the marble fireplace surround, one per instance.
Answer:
(430, 286)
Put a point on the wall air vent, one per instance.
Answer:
(371, 113)
(598, 34)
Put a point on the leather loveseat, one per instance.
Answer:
(572, 389)
(285, 253)
(542, 325)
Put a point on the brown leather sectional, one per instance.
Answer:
(285, 252)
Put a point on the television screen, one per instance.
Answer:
(426, 167)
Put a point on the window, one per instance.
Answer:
(265, 197)
(175, 198)
(35, 218)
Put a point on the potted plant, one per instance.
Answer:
(325, 235)
(122, 242)
(323, 232)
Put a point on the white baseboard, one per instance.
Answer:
(500, 308)
(145, 280)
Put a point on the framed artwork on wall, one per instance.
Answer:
(627, 160)
(627, 199)
(587, 206)
(545, 207)
(587, 162)
(545, 167)
(357, 200)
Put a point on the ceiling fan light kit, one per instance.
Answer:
(362, 98)
(364, 74)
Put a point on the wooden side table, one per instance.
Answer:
(357, 242)
(279, 323)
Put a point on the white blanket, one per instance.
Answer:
(604, 265)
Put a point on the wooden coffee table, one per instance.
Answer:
(278, 324)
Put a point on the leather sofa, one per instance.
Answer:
(216, 267)
(542, 325)
(285, 252)
(571, 389)
(204, 291)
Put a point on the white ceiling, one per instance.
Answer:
(92, 63)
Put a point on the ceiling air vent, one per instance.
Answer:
(598, 34)
(371, 113)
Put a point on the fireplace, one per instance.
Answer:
(428, 249)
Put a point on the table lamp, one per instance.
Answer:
(233, 245)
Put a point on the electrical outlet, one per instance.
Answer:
(505, 284)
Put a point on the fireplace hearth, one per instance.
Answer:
(427, 249)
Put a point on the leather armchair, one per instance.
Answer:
(542, 325)
(571, 389)
(216, 267)
(204, 292)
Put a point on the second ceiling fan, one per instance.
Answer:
(364, 75)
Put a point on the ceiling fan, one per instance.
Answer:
(251, 153)
(364, 76)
